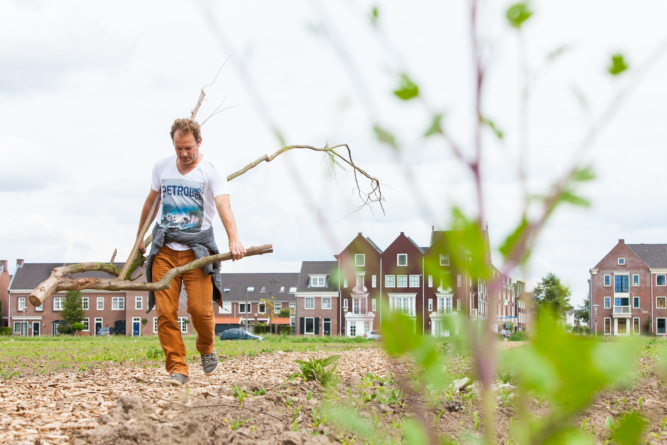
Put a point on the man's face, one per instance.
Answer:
(187, 148)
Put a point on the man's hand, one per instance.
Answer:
(237, 249)
(142, 247)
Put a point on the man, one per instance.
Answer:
(191, 190)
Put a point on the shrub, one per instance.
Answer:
(284, 313)
(501, 337)
(6, 331)
(519, 336)
(64, 329)
(315, 369)
(284, 329)
(76, 327)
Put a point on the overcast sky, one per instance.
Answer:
(88, 91)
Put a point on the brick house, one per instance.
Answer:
(360, 286)
(5, 279)
(122, 311)
(628, 289)
(318, 308)
(242, 299)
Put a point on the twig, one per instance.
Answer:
(113, 257)
(203, 93)
(125, 272)
(223, 404)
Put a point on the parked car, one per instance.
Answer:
(238, 334)
(104, 331)
(506, 333)
(373, 335)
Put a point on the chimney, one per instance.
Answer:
(3, 263)
(19, 263)
(402, 233)
(621, 241)
(432, 228)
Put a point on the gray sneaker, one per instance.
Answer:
(209, 363)
(177, 379)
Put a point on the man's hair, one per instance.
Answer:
(186, 126)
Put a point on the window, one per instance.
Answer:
(86, 324)
(310, 325)
(662, 325)
(353, 329)
(445, 305)
(262, 308)
(374, 281)
(226, 289)
(277, 308)
(607, 280)
(84, 303)
(154, 325)
(310, 303)
(430, 281)
(621, 261)
(404, 305)
(635, 326)
(250, 289)
(360, 281)
(183, 324)
(458, 305)
(402, 281)
(282, 289)
(621, 302)
(660, 280)
(607, 326)
(100, 303)
(621, 283)
(326, 303)
(635, 302)
(58, 304)
(607, 302)
(660, 302)
(21, 303)
(242, 308)
(444, 260)
(292, 289)
(635, 280)
(373, 305)
(345, 283)
(367, 326)
(226, 308)
(345, 303)
(414, 280)
(262, 289)
(117, 303)
(359, 259)
(359, 306)
(389, 281)
(430, 305)
(402, 259)
(40, 307)
(138, 303)
(458, 281)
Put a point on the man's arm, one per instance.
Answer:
(224, 207)
(148, 205)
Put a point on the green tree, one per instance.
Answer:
(72, 311)
(284, 313)
(583, 313)
(553, 296)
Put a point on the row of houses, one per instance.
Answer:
(344, 296)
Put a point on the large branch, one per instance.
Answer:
(61, 278)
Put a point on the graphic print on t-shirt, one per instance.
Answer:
(182, 205)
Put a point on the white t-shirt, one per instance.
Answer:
(188, 201)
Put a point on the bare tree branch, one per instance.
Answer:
(203, 93)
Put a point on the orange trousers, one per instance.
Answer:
(199, 289)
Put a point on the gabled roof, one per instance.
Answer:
(272, 282)
(654, 255)
(309, 268)
(415, 244)
(368, 238)
(30, 275)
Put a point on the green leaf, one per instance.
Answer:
(609, 423)
(618, 64)
(407, 89)
(374, 15)
(518, 13)
(629, 430)
(512, 239)
(413, 432)
(583, 174)
(385, 137)
(350, 419)
(571, 198)
(493, 127)
(435, 127)
(557, 52)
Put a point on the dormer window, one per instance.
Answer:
(444, 260)
(282, 288)
(292, 289)
(402, 259)
(227, 289)
(317, 281)
(360, 260)
(621, 261)
(263, 289)
(250, 288)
